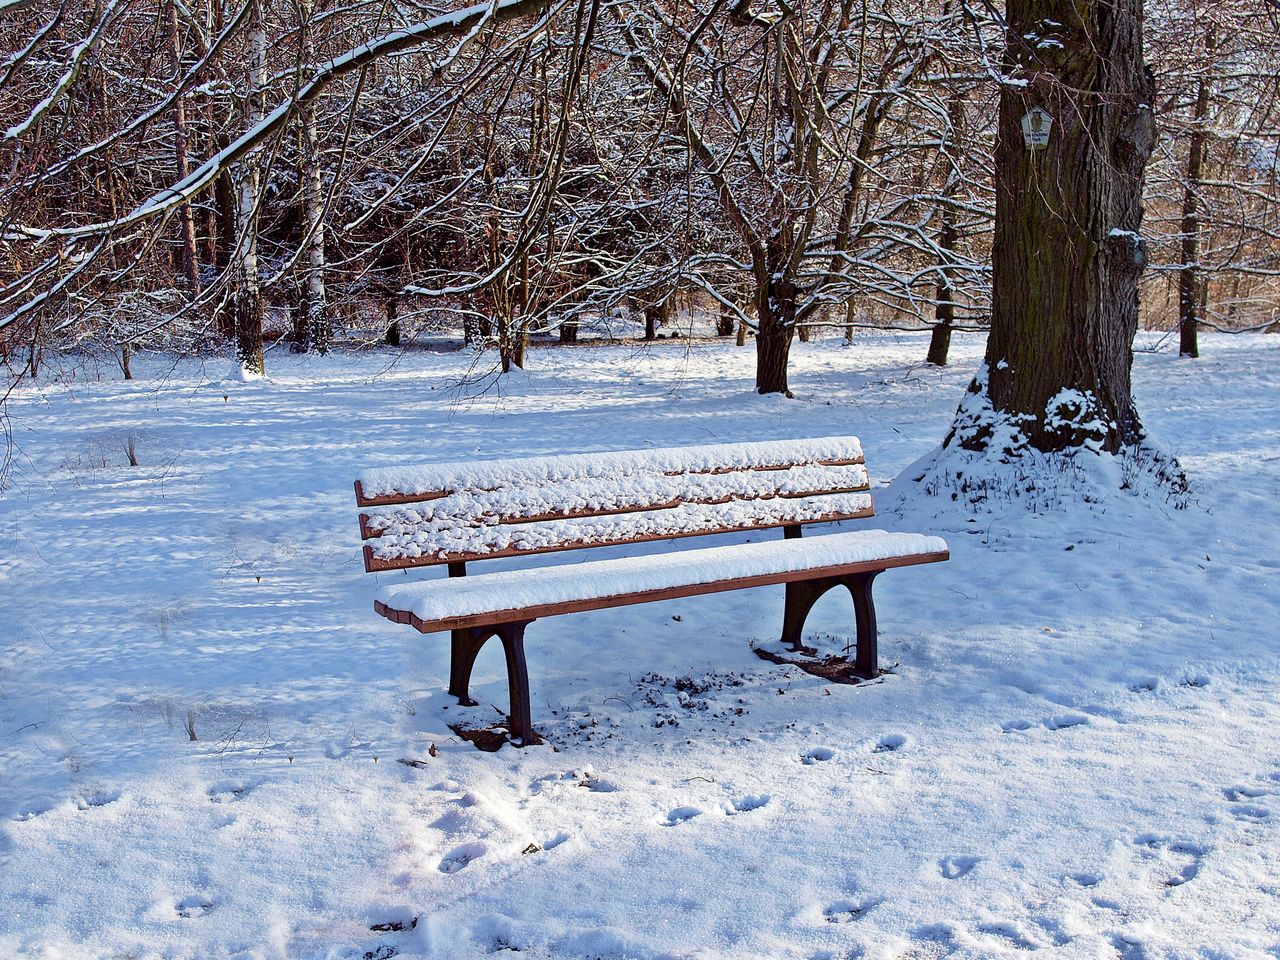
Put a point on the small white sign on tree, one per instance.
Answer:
(1035, 128)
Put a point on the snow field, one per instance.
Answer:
(1074, 755)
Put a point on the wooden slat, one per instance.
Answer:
(374, 564)
(397, 499)
(371, 530)
(647, 596)
(402, 498)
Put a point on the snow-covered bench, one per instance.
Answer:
(456, 513)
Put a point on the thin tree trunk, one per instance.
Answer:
(725, 322)
(224, 197)
(520, 343)
(776, 312)
(318, 326)
(1189, 281)
(944, 314)
(392, 336)
(186, 218)
(246, 290)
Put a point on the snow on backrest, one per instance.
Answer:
(467, 511)
(408, 484)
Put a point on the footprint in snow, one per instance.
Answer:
(847, 911)
(1061, 721)
(680, 815)
(96, 798)
(953, 868)
(933, 942)
(745, 804)
(1243, 792)
(1250, 811)
(890, 743)
(1010, 933)
(1145, 685)
(1241, 808)
(1053, 929)
(229, 791)
(1180, 859)
(189, 908)
(549, 844)
(461, 856)
(1064, 721)
(817, 755)
(1128, 947)
(552, 842)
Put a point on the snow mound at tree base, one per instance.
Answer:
(989, 463)
(995, 480)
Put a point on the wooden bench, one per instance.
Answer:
(457, 513)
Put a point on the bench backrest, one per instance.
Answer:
(459, 512)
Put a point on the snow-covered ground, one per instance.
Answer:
(1076, 752)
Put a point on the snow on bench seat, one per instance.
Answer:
(457, 603)
(442, 539)
(407, 484)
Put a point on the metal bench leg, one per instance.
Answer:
(465, 646)
(801, 596)
(519, 723)
(866, 663)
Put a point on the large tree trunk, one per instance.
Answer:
(1189, 281)
(1067, 253)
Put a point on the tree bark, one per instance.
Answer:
(246, 289)
(944, 314)
(1189, 276)
(725, 321)
(224, 194)
(1067, 253)
(186, 218)
(776, 309)
(392, 336)
(317, 321)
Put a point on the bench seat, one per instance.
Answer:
(493, 598)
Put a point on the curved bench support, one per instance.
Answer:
(465, 648)
(803, 594)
